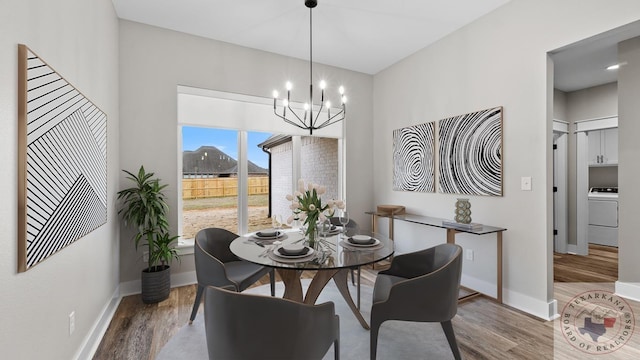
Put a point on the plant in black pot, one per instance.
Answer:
(144, 208)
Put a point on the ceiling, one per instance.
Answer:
(360, 35)
(583, 64)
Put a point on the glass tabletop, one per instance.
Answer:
(438, 222)
(334, 252)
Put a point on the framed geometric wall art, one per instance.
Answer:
(62, 162)
(470, 153)
(413, 158)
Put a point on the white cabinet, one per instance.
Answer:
(603, 147)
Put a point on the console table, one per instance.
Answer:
(451, 237)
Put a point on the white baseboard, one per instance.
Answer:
(183, 278)
(92, 340)
(179, 279)
(479, 285)
(542, 309)
(628, 290)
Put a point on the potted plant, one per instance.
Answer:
(144, 208)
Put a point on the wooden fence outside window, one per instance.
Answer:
(219, 187)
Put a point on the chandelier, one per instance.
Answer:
(307, 121)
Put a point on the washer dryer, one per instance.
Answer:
(603, 216)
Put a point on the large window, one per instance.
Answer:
(236, 179)
(210, 180)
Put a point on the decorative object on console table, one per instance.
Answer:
(461, 226)
(470, 153)
(390, 211)
(463, 211)
(307, 205)
(62, 162)
(413, 158)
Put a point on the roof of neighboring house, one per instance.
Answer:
(274, 140)
(211, 160)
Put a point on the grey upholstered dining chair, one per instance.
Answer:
(422, 286)
(216, 265)
(243, 326)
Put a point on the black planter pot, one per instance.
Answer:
(156, 284)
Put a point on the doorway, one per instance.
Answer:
(584, 91)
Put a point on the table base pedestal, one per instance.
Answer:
(293, 288)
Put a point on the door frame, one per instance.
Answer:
(582, 178)
(560, 184)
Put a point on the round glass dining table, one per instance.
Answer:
(334, 258)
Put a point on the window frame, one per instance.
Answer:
(215, 109)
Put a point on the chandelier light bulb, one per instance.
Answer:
(275, 94)
(323, 84)
(289, 86)
(328, 104)
(285, 102)
(344, 99)
(341, 90)
(306, 106)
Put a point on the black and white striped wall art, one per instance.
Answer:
(470, 153)
(62, 164)
(413, 158)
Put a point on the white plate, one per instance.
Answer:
(278, 254)
(376, 242)
(278, 234)
(292, 249)
(360, 239)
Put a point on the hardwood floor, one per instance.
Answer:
(484, 328)
(601, 265)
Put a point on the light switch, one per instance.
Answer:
(525, 183)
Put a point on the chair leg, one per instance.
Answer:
(353, 281)
(196, 304)
(336, 349)
(358, 287)
(272, 282)
(373, 338)
(451, 337)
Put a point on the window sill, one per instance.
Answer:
(185, 246)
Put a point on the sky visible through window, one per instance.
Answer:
(225, 140)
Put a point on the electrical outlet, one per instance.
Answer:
(72, 322)
(469, 254)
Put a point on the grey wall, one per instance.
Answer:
(79, 39)
(603, 176)
(628, 170)
(591, 103)
(560, 105)
(154, 61)
(499, 60)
